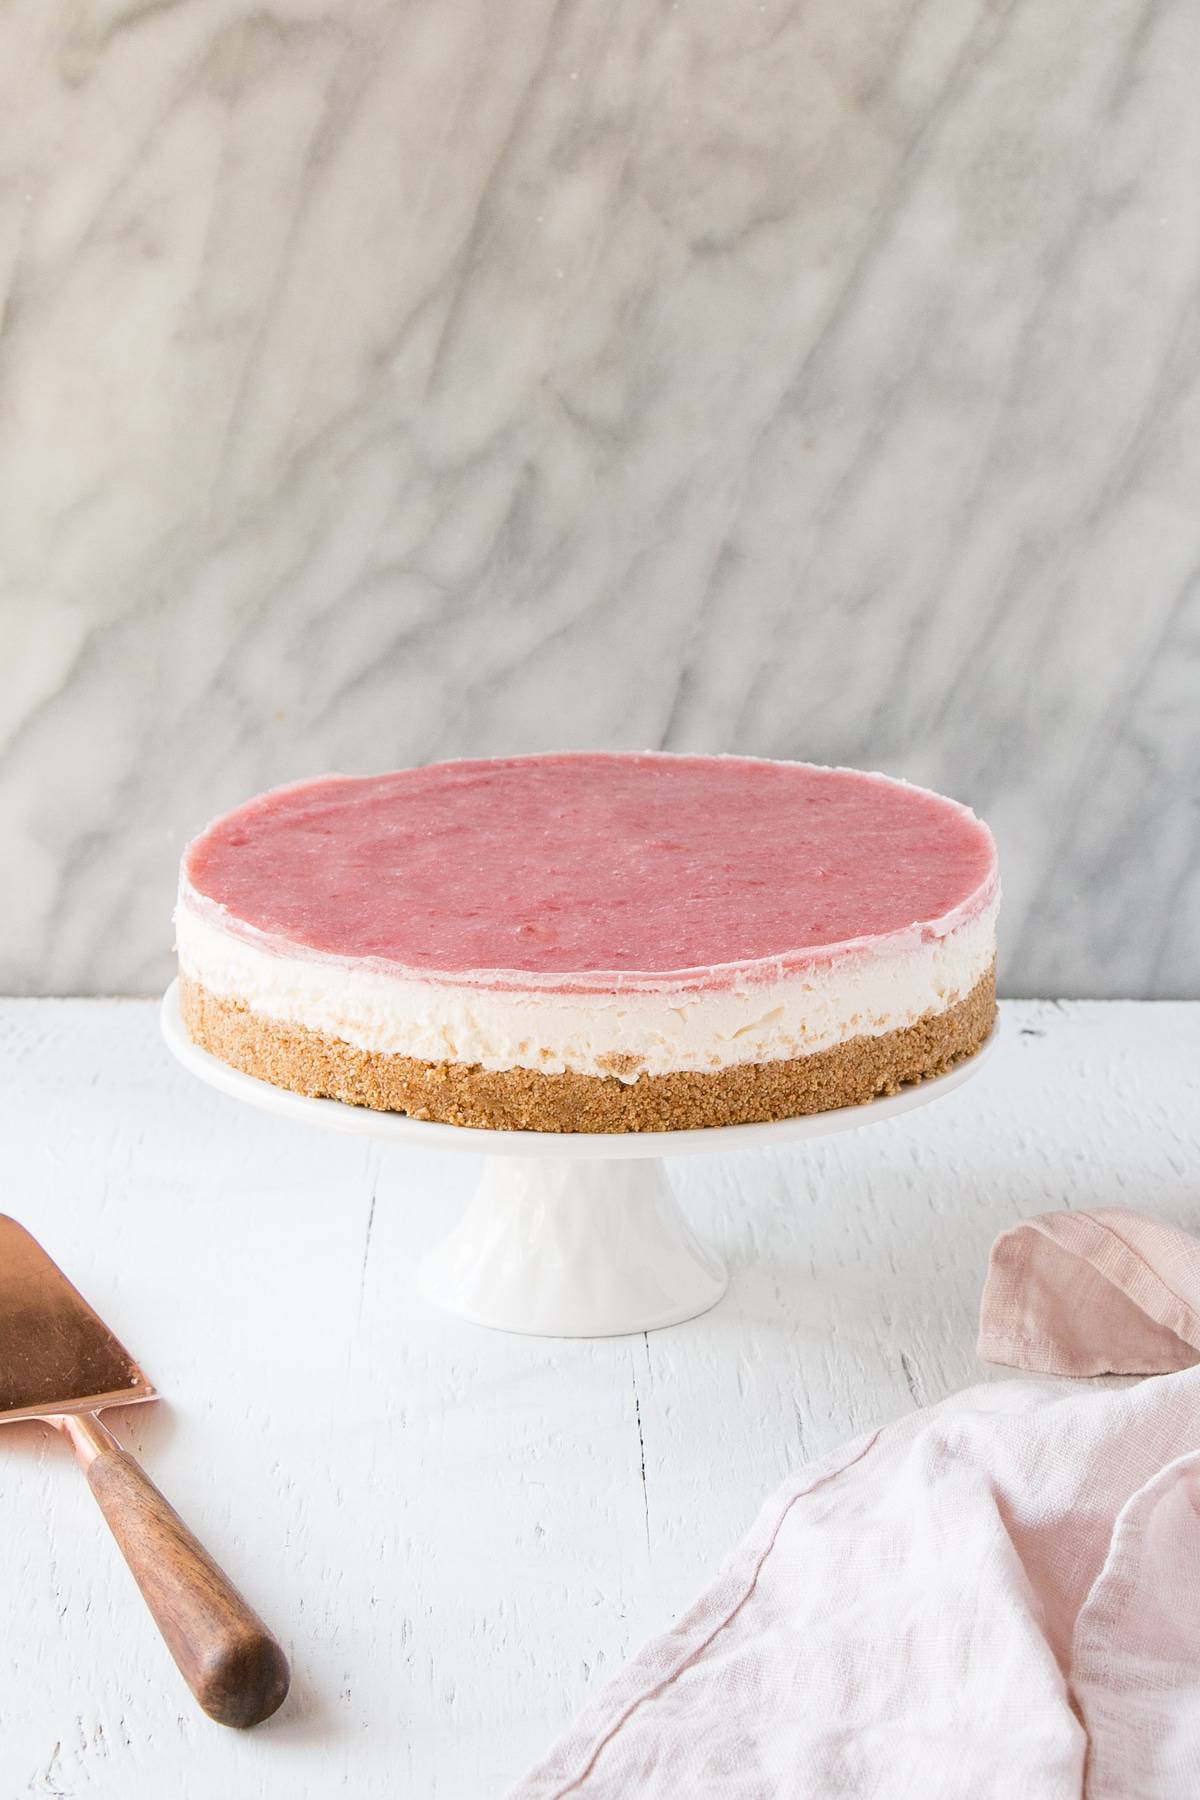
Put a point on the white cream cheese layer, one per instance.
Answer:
(861, 994)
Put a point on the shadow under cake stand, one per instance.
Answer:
(568, 1234)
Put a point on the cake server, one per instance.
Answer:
(60, 1363)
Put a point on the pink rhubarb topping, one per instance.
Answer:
(590, 871)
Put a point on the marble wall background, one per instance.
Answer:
(381, 382)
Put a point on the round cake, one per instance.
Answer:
(592, 942)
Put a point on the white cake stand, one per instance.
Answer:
(568, 1234)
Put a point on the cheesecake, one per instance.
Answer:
(592, 942)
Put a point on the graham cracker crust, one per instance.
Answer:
(849, 1074)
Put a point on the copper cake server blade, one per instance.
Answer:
(60, 1363)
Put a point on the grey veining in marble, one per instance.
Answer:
(381, 382)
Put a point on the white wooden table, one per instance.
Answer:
(457, 1534)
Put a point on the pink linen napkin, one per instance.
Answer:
(1103, 1293)
(998, 1598)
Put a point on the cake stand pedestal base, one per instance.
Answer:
(556, 1247)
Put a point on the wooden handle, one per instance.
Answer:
(225, 1653)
